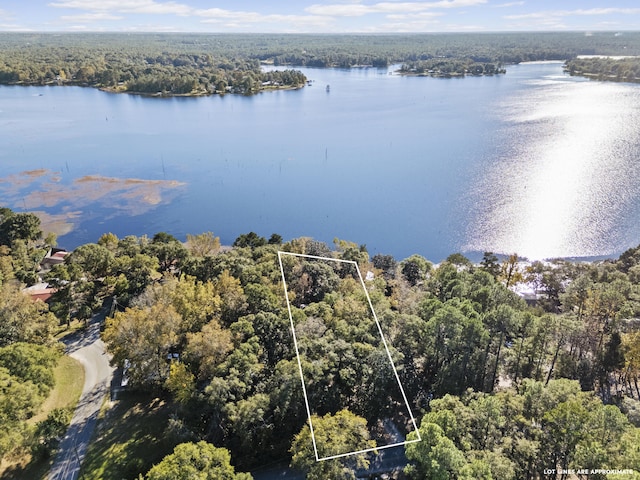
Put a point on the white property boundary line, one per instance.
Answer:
(304, 389)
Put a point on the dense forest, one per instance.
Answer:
(28, 351)
(147, 64)
(200, 64)
(617, 69)
(442, 67)
(502, 388)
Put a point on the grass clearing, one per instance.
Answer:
(130, 438)
(62, 330)
(69, 377)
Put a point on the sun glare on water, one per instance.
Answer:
(564, 175)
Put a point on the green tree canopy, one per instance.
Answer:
(196, 461)
(435, 457)
(336, 434)
(203, 244)
(19, 226)
(23, 320)
(144, 337)
(95, 260)
(415, 269)
(251, 239)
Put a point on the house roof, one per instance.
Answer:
(39, 291)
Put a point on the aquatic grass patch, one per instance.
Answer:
(47, 194)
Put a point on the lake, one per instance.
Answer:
(533, 162)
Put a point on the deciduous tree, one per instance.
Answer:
(203, 244)
(435, 457)
(415, 269)
(207, 349)
(336, 434)
(95, 260)
(196, 461)
(144, 337)
(23, 320)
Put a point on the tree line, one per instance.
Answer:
(28, 352)
(201, 64)
(532, 431)
(622, 69)
(443, 67)
(135, 64)
(454, 328)
(501, 388)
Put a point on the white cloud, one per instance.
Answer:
(569, 13)
(5, 15)
(152, 28)
(90, 17)
(6, 19)
(218, 13)
(545, 24)
(126, 6)
(458, 3)
(422, 26)
(607, 11)
(408, 16)
(403, 16)
(238, 18)
(415, 26)
(507, 5)
(524, 16)
(355, 10)
(465, 28)
(223, 18)
(359, 9)
(562, 19)
(229, 19)
(13, 27)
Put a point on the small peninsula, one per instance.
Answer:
(605, 68)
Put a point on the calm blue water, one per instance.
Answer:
(532, 162)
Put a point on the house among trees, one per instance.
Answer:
(40, 291)
(55, 256)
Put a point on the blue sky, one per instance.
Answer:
(327, 16)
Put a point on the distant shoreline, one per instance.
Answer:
(116, 90)
(195, 94)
